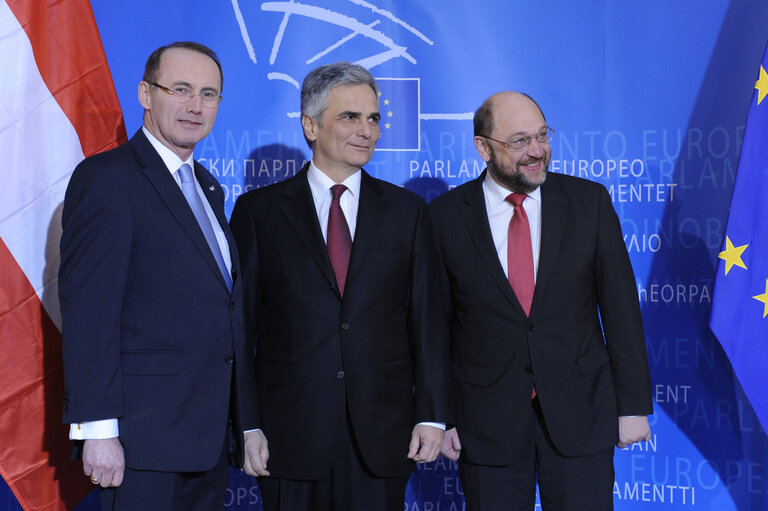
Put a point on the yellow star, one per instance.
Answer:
(762, 85)
(732, 255)
(386, 101)
(763, 298)
(379, 93)
(390, 114)
(387, 125)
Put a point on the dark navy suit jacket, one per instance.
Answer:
(151, 334)
(583, 344)
(381, 351)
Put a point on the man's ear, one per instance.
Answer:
(481, 144)
(309, 125)
(144, 95)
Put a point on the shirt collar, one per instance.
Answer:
(320, 183)
(171, 159)
(496, 195)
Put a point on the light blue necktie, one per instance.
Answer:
(193, 198)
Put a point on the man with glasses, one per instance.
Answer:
(155, 357)
(548, 353)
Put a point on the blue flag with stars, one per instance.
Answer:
(740, 301)
(399, 107)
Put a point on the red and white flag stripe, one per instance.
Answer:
(57, 105)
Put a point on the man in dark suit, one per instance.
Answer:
(155, 355)
(548, 353)
(343, 294)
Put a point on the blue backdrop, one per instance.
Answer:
(648, 98)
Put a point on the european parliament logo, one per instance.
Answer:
(289, 38)
(399, 107)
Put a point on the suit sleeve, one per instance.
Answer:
(95, 255)
(620, 315)
(429, 328)
(243, 229)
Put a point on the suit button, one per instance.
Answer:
(345, 326)
(340, 375)
(229, 359)
(231, 305)
(531, 327)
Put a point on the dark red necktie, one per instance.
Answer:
(339, 240)
(519, 253)
(520, 256)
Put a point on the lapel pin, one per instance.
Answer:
(212, 188)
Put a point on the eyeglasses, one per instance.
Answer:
(184, 95)
(521, 143)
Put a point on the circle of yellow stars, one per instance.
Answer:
(732, 256)
(390, 113)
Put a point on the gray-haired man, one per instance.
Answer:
(343, 296)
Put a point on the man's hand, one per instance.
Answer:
(256, 454)
(425, 443)
(104, 461)
(451, 447)
(632, 430)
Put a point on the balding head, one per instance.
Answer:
(484, 116)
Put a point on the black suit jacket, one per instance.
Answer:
(151, 334)
(587, 372)
(381, 351)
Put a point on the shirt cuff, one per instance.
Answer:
(94, 430)
(438, 425)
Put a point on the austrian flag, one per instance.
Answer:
(57, 105)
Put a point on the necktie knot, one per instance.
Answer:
(185, 174)
(516, 199)
(337, 190)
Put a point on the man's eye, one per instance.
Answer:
(181, 90)
(208, 94)
(518, 141)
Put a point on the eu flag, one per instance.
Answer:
(399, 107)
(740, 300)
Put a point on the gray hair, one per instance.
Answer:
(319, 81)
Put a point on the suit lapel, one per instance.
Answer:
(372, 209)
(553, 209)
(157, 174)
(473, 213)
(299, 210)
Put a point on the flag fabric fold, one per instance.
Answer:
(57, 105)
(739, 316)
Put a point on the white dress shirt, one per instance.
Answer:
(500, 213)
(320, 185)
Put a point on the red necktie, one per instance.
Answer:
(339, 240)
(519, 253)
(520, 256)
